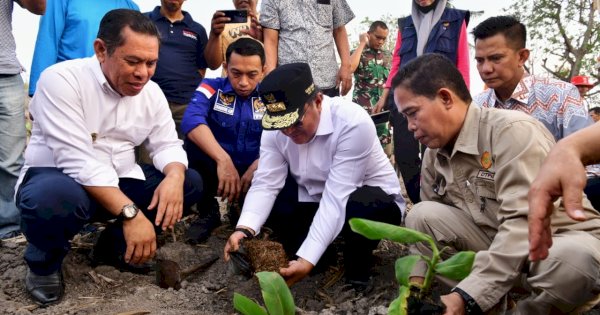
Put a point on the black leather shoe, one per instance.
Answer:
(45, 290)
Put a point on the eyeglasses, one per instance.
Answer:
(299, 123)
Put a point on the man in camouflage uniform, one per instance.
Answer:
(371, 66)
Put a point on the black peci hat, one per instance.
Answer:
(284, 92)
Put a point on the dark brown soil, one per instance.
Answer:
(106, 290)
(266, 255)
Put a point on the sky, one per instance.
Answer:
(25, 24)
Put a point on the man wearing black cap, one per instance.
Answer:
(320, 164)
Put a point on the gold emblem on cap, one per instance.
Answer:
(276, 107)
(270, 98)
(280, 122)
(310, 89)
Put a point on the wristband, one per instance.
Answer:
(471, 306)
(245, 231)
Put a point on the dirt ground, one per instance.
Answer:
(105, 290)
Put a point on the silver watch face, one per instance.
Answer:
(130, 211)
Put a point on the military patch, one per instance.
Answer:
(258, 108)
(486, 175)
(486, 160)
(270, 98)
(225, 103)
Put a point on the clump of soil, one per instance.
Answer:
(424, 305)
(265, 255)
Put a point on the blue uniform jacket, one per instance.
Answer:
(234, 121)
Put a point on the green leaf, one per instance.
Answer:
(277, 295)
(404, 266)
(377, 230)
(456, 267)
(246, 306)
(400, 304)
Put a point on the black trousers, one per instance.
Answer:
(207, 168)
(406, 152)
(54, 209)
(290, 221)
(592, 191)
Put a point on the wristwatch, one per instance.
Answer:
(129, 211)
(471, 306)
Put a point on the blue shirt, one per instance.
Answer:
(180, 56)
(68, 30)
(234, 121)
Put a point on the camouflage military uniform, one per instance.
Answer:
(369, 78)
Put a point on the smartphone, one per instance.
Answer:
(236, 16)
(381, 117)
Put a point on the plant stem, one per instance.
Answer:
(435, 257)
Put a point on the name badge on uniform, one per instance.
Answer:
(225, 103)
(258, 108)
(486, 175)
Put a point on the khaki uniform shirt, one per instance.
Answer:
(495, 159)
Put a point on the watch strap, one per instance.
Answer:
(245, 231)
(471, 306)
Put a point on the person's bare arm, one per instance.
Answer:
(355, 57)
(229, 179)
(344, 75)
(271, 42)
(139, 232)
(34, 6)
(213, 53)
(562, 174)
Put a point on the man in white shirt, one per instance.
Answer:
(89, 114)
(320, 165)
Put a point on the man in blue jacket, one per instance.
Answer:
(222, 126)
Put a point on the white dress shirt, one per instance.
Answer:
(85, 128)
(344, 155)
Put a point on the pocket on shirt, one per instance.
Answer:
(324, 15)
(447, 42)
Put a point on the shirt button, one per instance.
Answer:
(171, 32)
(171, 25)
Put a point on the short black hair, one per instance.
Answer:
(113, 23)
(377, 24)
(595, 110)
(427, 74)
(246, 46)
(513, 30)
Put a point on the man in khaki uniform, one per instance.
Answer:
(475, 178)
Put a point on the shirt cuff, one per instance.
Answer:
(485, 294)
(311, 250)
(170, 155)
(251, 219)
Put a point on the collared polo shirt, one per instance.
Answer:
(234, 121)
(180, 56)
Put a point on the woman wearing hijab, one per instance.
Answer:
(431, 28)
